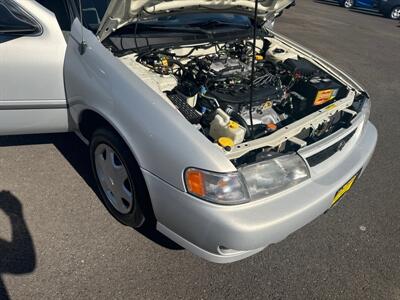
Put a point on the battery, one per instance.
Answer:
(319, 91)
(310, 95)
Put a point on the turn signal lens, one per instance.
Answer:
(220, 188)
(195, 182)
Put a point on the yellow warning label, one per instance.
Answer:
(324, 96)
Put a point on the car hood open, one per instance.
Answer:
(124, 12)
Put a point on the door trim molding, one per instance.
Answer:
(32, 104)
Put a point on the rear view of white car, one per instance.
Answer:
(200, 119)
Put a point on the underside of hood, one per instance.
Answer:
(124, 12)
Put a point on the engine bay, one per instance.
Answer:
(211, 85)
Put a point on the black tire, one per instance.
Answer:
(141, 213)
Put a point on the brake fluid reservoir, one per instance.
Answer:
(222, 126)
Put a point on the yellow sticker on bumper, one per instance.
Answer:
(345, 188)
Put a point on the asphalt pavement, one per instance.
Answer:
(62, 243)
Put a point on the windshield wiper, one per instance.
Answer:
(175, 29)
(212, 23)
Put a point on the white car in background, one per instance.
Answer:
(226, 145)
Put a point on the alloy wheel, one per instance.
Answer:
(395, 15)
(349, 3)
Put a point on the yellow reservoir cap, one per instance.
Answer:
(226, 142)
(233, 125)
(165, 62)
(259, 57)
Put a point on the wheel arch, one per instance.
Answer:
(90, 120)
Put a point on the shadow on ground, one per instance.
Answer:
(77, 154)
(18, 255)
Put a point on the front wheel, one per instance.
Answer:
(119, 179)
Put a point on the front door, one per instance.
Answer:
(366, 3)
(32, 51)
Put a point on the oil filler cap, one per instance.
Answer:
(225, 142)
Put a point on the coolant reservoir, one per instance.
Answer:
(222, 126)
(278, 54)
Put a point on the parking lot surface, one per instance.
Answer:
(66, 245)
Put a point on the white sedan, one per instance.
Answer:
(201, 120)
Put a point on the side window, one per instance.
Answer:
(60, 9)
(13, 21)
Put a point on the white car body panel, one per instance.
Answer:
(32, 93)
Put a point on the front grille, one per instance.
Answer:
(320, 157)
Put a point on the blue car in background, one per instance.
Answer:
(389, 8)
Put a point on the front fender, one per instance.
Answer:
(163, 141)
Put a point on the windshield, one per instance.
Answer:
(206, 24)
(179, 29)
(202, 20)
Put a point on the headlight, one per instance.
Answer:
(272, 176)
(252, 182)
(221, 188)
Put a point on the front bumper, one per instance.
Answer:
(225, 234)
